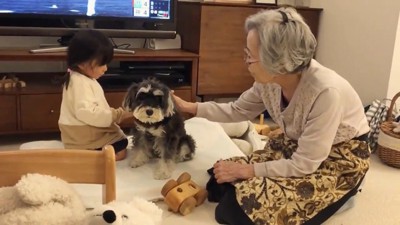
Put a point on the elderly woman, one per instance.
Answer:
(306, 173)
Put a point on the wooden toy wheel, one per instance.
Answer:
(201, 196)
(187, 206)
(168, 186)
(184, 177)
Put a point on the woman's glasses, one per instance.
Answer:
(248, 59)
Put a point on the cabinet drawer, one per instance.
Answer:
(8, 113)
(40, 112)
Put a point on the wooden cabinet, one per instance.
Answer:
(8, 113)
(36, 108)
(39, 111)
(216, 32)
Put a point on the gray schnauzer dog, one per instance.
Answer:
(159, 131)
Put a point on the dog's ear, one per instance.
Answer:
(130, 96)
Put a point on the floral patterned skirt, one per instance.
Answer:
(295, 200)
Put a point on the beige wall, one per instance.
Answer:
(356, 39)
(394, 80)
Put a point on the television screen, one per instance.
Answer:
(123, 17)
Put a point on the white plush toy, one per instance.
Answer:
(136, 212)
(244, 135)
(46, 200)
(40, 199)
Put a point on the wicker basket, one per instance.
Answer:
(389, 142)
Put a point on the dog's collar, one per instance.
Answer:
(157, 124)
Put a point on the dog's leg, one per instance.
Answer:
(163, 169)
(165, 165)
(139, 158)
(185, 154)
(186, 149)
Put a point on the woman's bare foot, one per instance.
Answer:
(120, 155)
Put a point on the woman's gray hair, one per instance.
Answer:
(287, 44)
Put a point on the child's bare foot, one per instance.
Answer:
(120, 155)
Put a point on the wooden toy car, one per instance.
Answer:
(183, 195)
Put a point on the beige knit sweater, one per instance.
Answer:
(324, 110)
(86, 120)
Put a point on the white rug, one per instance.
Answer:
(212, 144)
(379, 201)
(377, 204)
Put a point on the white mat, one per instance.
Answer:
(212, 144)
(50, 144)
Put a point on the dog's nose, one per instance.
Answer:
(109, 216)
(149, 112)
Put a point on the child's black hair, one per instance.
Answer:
(88, 45)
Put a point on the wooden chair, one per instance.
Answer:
(73, 166)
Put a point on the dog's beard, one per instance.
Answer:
(141, 115)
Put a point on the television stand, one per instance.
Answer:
(36, 107)
(64, 49)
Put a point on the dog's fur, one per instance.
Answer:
(159, 131)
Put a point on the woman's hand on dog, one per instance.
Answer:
(228, 171)
(184, 106)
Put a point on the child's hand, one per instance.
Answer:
(126, 115)
(120, 114)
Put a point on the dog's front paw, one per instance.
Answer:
(161, 174)
(136, 163)
(139, 159)
(163, 169)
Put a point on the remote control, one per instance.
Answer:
(124, 51)
(64, 49)
(48, 50)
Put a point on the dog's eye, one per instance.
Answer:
(159, 99)
(140, 97)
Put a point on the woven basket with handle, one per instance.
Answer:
(388, 141)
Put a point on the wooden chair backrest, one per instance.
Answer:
(73, 166)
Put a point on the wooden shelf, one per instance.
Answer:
(140, 54)
(43, 83)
